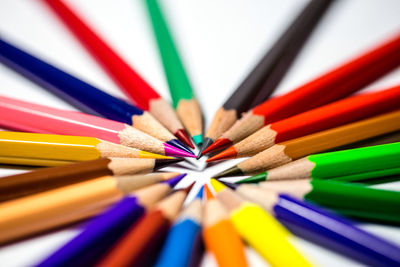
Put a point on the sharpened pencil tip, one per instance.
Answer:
(188, 188)
(217, 185)
(230, 185)
(174, 181)
(218, 144)
(178, 144)
(206, 143)
(254, 179)
(182, 135)
(233, 171)
(161, 163)
(200, 193)
(208, 195)
(198, 139)
(175, 152)
(230, 153)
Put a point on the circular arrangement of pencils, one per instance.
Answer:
(309, 156)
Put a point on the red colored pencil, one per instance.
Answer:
(136, 88)
(333, 85)
(344, 111)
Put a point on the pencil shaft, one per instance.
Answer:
(30, 117)
(47, 178)
(330, 230)
(356, 200)
(177, 78)
(55, 207)
(73, 90)
(183, 239)
(132, 84)
(265, 77)
(46, 146)
(355, 161)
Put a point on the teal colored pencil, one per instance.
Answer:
(184, 102)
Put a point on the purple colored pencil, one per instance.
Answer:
(103, 231)
(335, 232)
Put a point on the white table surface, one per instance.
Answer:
(220, 41)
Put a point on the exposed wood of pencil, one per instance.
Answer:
(321, 141)
(194, 212)
(298, 188)
(214, 212)
(298, 169)
(266, 199)
(222, 120)
(189, 113)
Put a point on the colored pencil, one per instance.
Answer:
(43, 179)
(136, 88)
(259, 229)
(269, 71)
(183, 99)
(337, 163)
(326, 117)
(40, 212)
(362, 177)
(29, 117)
(65, 147)
(288, 151)
(183, 245)
(142, 241)
(103, 231)
(323, 227)
(349, 199)
(333, 85)
(220, 236)
(81, 94)
(55, 150)
(325, 165)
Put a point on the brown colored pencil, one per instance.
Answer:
(43, 179)
(269, 71)
(142, 241)
(40, 212)
(288, 151)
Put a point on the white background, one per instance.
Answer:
(220, 41)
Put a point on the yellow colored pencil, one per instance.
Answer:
(259, 229)
(18, 147)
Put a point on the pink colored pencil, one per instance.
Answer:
(29, 117)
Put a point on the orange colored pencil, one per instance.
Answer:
(220, 237)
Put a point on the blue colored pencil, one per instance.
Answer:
(103, 231)
(183, 245)
(322, 227)
(82, 95)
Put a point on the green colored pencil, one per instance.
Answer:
(344, 163)
(349, 199)
(184, 102)
(363, 177)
